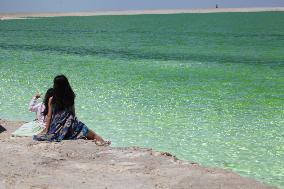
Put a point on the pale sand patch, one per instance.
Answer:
(7, 16)
(81, 164)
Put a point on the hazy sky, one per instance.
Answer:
(95, 5)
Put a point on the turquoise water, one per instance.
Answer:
(208, 88)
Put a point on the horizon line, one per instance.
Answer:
(20, 15)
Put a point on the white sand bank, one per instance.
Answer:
(6, 16)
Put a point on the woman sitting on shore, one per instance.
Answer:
(61, 122)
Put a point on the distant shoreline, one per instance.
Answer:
(7, 16)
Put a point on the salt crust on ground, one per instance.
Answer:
(81, 164)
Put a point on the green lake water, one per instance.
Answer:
(208, 88)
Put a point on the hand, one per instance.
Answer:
(37, 95)
(44, 131)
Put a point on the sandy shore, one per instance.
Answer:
(81, 164)
(5, 16)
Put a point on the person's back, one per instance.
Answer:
(64, 96)
(38, 108)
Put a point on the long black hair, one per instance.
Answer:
(64, 96)
(49, 93)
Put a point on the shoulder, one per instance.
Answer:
(39, 104)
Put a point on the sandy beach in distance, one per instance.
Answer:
(6, 16)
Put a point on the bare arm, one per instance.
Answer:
(49, 114)
(33, 106)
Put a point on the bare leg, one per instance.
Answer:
(91, 135)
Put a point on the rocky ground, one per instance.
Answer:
(81, 164)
